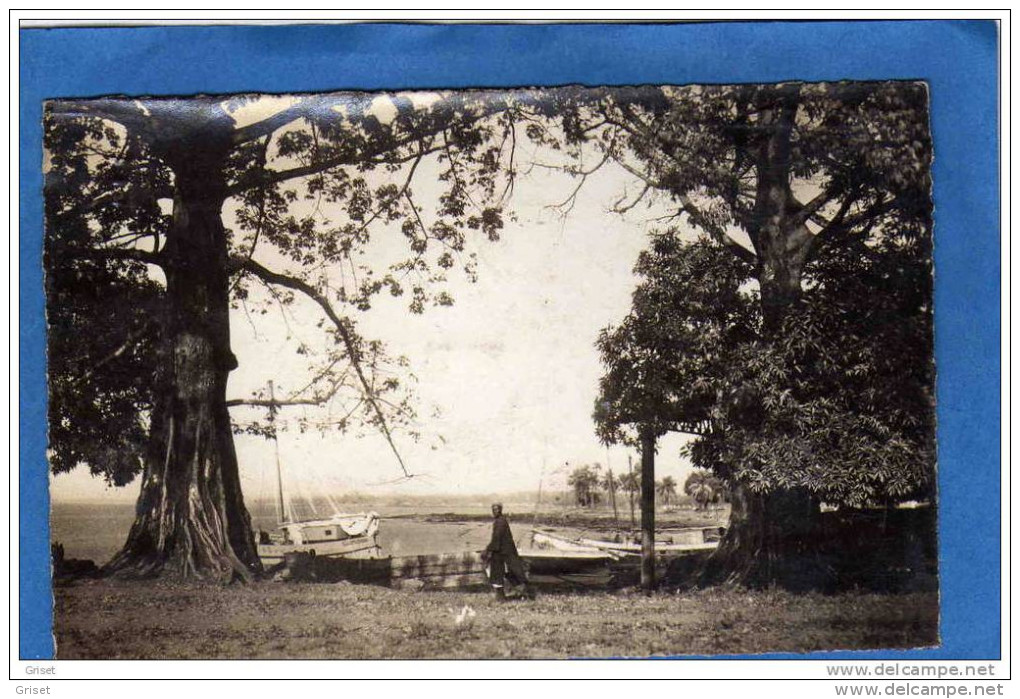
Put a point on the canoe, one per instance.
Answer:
(661, 548)
(548, 541)
(693, 540)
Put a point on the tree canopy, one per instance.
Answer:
(585, 482)
(839, 403)
(163, 215)
(664, 361)
(307, 181)
(794, 339)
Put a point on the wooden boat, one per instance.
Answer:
(661, 548)
(545, 540)
(694, 540)
(341, 535)
(589, 568)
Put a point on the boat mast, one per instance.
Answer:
(612, 490)
(280, 511)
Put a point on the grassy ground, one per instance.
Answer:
(109, 619)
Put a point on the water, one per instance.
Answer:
(97, 531)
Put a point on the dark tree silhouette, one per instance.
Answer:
(839, 405)
(792, 180)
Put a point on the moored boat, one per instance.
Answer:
(340, 535)
(545, 540)
(661, 547)
(692, 540)
(347, 535)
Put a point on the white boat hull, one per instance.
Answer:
(660, 547)
(355, 547)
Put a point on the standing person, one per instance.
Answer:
(501, 554)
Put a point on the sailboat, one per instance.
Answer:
(340, 535)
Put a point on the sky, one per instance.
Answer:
(507, 376)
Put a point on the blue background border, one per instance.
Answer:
(957, 58)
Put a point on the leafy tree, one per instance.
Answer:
(666, 490)
(163, 214)
(585, 482)
(661, 360)
(825, 183)
(703, 488)
(839, 405)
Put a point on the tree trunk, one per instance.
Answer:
(771, 536)
(781, 241)
(772, 540)
(191, 521)
(647, 511)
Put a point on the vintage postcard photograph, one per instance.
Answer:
(559, 372)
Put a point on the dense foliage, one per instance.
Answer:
(802, 358)
(585, 481)
(840, 402)
(704, 487)
(163, 215)
(308, 183)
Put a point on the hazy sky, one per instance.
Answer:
(511, 367)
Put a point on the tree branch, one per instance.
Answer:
(567, 205)
(127, 113)
(271, 177)
(396, 197)
(811, 208)
(259, 403)
(306, 107)
(840, 222)
(495, 102)
(718, 233)
(620, 208)
(152, 258)
(511, 174)
(343, 331)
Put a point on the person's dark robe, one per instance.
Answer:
(503, 557)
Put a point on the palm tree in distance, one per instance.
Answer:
(666, 490)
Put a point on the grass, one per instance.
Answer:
(111, 619)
